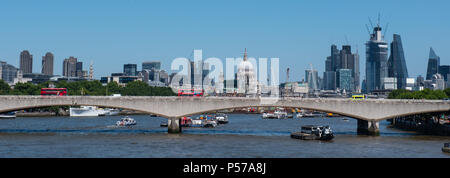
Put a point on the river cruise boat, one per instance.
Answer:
(126, 121)
(278, 114)
(314, 132)
(8, 115)
(310, 114)
(92, 111)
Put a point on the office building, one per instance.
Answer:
(345, 79)
(376, 60)
(8, 72)
(130, 69)
(341, 59)
(433, 64)
(312, 79)
(151, 65)
(397, 64)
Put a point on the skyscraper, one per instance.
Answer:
(376, 60)
(345, 79)
(151, 65)
(341, 59)
(130, 69)
(79, 69)
(396, 63)
(70, 67)
(26, 62)
(433, 64)
(47, 64)
(444, 70)
(312, 79)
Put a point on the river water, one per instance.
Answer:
(245, 136)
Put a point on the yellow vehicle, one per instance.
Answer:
(358, 97)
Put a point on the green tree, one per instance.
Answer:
(113, 88)
(4, 88)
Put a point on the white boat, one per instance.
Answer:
(113, 112)
(196, 122)
(278, 114)
(84, 111)
(126, 121)
(222, 118)
(8, 115)
(92, 111)
(210, 123)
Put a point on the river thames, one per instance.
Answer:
(245, 136)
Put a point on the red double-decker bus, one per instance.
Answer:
(53, 91)
(190, 92)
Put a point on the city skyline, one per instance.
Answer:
(292, 52)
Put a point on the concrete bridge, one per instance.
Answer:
(368, 112)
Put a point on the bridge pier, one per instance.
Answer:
(368, 127)
(174, 125)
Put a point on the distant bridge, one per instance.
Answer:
(368, 112)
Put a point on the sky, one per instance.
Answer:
(111, 33)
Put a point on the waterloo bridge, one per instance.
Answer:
(368, 112)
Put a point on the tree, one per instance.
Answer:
(4, 88)
(113, 88)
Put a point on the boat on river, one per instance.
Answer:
(126, 121)
(92, 111)
(314, 132)
(8, 115)
(210, 123)
(278, 114)
(446, 148)
(222, 118)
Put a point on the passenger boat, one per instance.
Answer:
(92, 111)
(84, 111)
(8, 115)
(113, 112)
(222, 118)
(196, 123)
(210, 123)
(313, 132)
(126, 121)
(186, 121)
(278, 114)
(313, 114)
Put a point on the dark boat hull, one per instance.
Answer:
(305, 136)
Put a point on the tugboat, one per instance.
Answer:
(126, 121)
(313, 132)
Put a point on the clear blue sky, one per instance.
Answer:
(112, 33)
